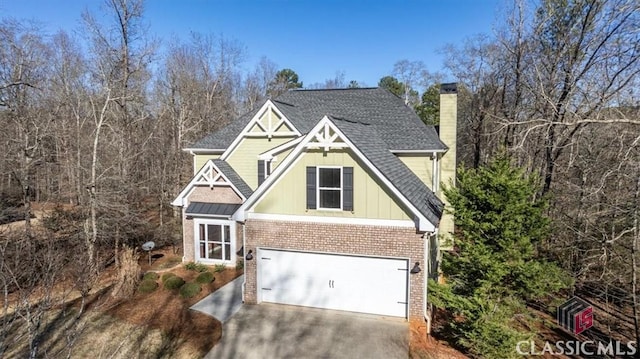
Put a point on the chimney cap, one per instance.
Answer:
(449, 88)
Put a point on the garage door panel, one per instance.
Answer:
(341, 282)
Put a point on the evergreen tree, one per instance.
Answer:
(494, 269)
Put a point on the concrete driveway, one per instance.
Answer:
(279, 331)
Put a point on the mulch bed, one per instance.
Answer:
(168, 312)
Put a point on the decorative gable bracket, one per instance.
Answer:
(327, 138)
(210, 177)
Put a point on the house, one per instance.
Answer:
(331, 198)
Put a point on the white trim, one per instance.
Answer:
(318, 189)
(232, 240)
(204, 215)
(423, 224)
(269, 132)
(399, 152)
(209, 180)
(325, 140)
(269, 155)
(204, 151)
(333, 220)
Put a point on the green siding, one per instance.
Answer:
(280, 156)
(370, 198)
(200, 160)
(421, 165)
(244, 159)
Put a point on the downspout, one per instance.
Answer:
(427, 265)
(244, 258)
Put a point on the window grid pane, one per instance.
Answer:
(329, 178)
(329, 198)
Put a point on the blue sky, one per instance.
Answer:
(362, 39)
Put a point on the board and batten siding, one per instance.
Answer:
(244, 159)
(200, 160)
(421, 165)
(280, 157)
(370, 198)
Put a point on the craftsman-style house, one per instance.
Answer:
(331, 198)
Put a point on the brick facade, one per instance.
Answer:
(338, 238)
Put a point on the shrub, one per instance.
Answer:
(173, 282)
(167, 276)
(219, 268)
(189, 290)
(198, 267)
(240, 265)
(147, 286)
(204, 278)
(150, 276)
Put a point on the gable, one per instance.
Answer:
(370, 198)
(371, 152)
(209, 184)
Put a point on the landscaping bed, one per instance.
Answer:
(158, 324)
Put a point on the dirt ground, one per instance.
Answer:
(423, 346)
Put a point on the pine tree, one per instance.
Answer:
(494, 269)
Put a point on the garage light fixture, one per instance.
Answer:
(249, 255)
(416, 268)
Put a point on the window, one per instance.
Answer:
(329, 188)
(215, 241)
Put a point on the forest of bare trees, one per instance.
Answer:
(557, 88)
(95, 124)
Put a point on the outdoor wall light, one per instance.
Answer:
(249, 255)
(416, 268)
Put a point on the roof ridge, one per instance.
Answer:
(334, 117)
(335, 89)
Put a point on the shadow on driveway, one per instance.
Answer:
(279, 331)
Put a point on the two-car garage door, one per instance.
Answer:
(341, 282)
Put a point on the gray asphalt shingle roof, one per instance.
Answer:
(233, 176)
(366, 139)
(374, 119)
(216, 209)
(397, 124)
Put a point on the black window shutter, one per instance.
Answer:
(260, 172)
(311, 188)
(347, 188)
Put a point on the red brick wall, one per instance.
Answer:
(338, 238)
(214, 195)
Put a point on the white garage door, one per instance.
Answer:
(341, 282)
